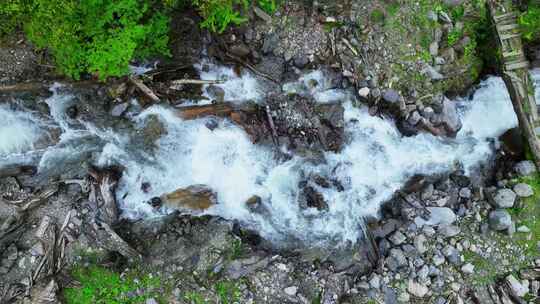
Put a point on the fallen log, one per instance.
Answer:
(16, 170)
(44, 87)
(144, 89)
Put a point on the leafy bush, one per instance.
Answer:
(99, 285)
(97, 36)
(530, 22)
(218, 14)
(11, 12)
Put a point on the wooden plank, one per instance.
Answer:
(509, 36)
(507, 27)
(512, 53)
(506, 16)
(516, 65)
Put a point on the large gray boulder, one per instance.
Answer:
(503, 198)
(437, 216)
(500, 220)
(450, 117)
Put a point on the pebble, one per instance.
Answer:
(291, 290)
(419, 243)
(416, 289)
(397, 238)
(467, 268)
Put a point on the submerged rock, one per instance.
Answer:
(196, 197)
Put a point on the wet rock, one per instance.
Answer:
(211, 124)
(153, 130)
(503, 198)
(512, 143)
(500, 220)
(119, 109)
(240, 50)
(523, 190)
(72, 112)
(216, 93)
(414, 118)
(196, 197)
(314, 199)
(450, 117)
(525, 168)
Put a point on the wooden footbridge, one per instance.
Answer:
(515, 72)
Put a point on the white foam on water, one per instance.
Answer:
(237, 88)
(19, 130)
(374, 163)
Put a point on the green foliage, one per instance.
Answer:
(227, 292)
(377, 16)
(269, 6)
(97, 36)
(194, 298)
(218, 14)
(529, 22)
(454, 36)
(11, 13)
(101, 286)
(528, 214)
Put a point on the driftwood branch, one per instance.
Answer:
(144, 89)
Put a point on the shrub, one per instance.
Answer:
(218, 14)
(529, 22)
(97, 36)
(11, 12)
(99, 285)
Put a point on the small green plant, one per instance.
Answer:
(102, 286)
(269, 6)
(530, 22)
(377, 16)
(454, 36)
(227, 292)
(218, 14)
(194, 298)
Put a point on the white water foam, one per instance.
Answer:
(375, 162)
(19, 130)
(237, 88)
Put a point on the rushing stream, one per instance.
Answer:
(375, 162)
